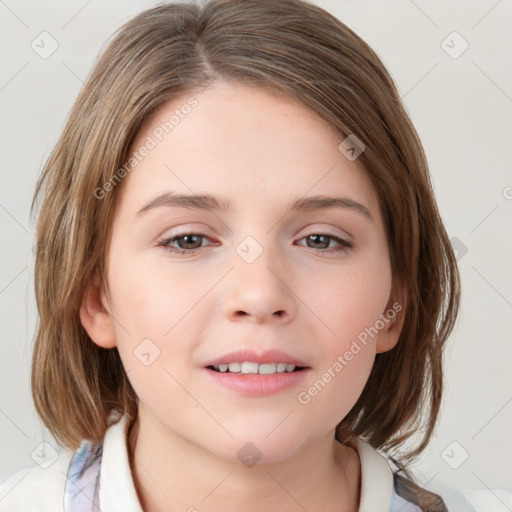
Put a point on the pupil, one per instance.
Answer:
(187, 238)
(314, 238)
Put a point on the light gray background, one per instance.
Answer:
(462, 109)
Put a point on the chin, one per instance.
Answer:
(258, 447)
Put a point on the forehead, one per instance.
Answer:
(245, 144)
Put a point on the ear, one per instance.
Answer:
(95, 314)
(393, 320)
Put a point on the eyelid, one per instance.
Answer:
(188, 229)
(343, 246)
(330, 229)
(194, 228)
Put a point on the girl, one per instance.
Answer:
(243, 281)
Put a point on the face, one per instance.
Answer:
(196, 290)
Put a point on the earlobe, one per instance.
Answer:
(95, 315)
(393, 320)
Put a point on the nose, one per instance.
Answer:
(260, 292)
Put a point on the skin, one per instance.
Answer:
(260, 150)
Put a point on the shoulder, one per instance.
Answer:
(37, 489)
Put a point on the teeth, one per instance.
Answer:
(267, 369)
(234, 367)
(252, 367)
(249, 367)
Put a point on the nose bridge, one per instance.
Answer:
(258, 286)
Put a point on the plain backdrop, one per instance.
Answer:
(460, 100)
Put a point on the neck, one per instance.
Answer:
(172, 475)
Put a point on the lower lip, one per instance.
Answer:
(254, 384)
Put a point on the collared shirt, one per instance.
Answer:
(74, 482)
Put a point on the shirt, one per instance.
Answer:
(74, 482)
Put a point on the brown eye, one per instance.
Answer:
(318, 241)
(187, 243)
(323, 240)
(190, 243)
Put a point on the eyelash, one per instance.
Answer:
(344, 244)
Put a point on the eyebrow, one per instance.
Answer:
(211, 203)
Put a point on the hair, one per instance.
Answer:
(288, 47)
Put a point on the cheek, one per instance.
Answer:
(156, 327)
(349, 306)
(350, 300)
(332, 391)
(155, 300)
(144, 313)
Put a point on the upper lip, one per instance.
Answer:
(267, 356)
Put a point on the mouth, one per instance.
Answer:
(253, 367)
(251, 373)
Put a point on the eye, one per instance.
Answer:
(323, 240)
(189, 243)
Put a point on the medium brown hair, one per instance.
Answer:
(290, 47)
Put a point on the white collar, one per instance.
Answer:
(376, 479)
(118, 494)
(117, 490)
